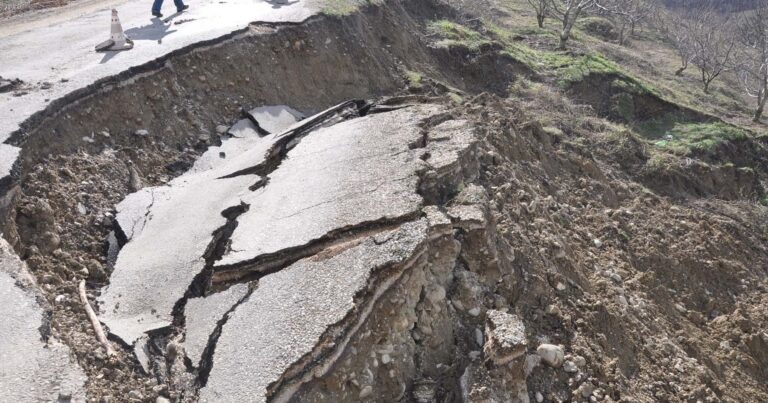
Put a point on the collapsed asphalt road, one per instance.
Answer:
(320, 218)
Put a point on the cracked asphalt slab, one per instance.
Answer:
(293, 310)
(345, 175)
(33, 365)
(326, 184)
(203, 315)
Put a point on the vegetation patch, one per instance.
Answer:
(686, 138)
(345, 7)
(453, 34)
(414, 79)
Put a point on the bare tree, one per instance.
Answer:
(542, 8)
(627, 14)
(752, 59)
(568, 12)
(678, 31)
(713, 44)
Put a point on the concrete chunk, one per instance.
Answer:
(505, 337)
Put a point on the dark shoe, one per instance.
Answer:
(182, 8)
(157, 14)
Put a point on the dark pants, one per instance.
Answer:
(159, 3)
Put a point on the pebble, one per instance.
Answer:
(142, 133)
(386, 359)
(580, 361)
(474, 311)
(569, 366)
(539, 397)
(598, 243)
(553, 310)
(221, 129)
(135, 395)
(479, 339)
(366, 391)
(161, 399)
(551, 354)
(585, 389)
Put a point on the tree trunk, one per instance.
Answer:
(566, 32)
(632, 28)
(621, 34)
(706, 81)
(540, 19)
(680, 71)
(760, 107)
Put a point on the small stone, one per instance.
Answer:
(473, 355)
(81, 209)
(474, 311)
(551, 354)
(539, 397)
(60, 298)
(90, 140)
(142, 133)
(570, 366)
(479, 339)
(598, 243)
(680, 308)
(560, 286)
(161, 399)
(135, 395)
(366, 391)
(585, 389)
(580, 361)
(553, 310)
(386, 359)
(616, 278)
(221, 129)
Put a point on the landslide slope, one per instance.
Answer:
(471, 195)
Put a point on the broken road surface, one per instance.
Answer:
(33, 365)
(56, 57)
(312, 217)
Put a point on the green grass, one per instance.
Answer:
(453, 34)
(687, 138)
(583, 66)
(414, 79)
(344, 7)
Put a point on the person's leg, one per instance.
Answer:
(180, 5)
(156, 6)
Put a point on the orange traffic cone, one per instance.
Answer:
(117, 39)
